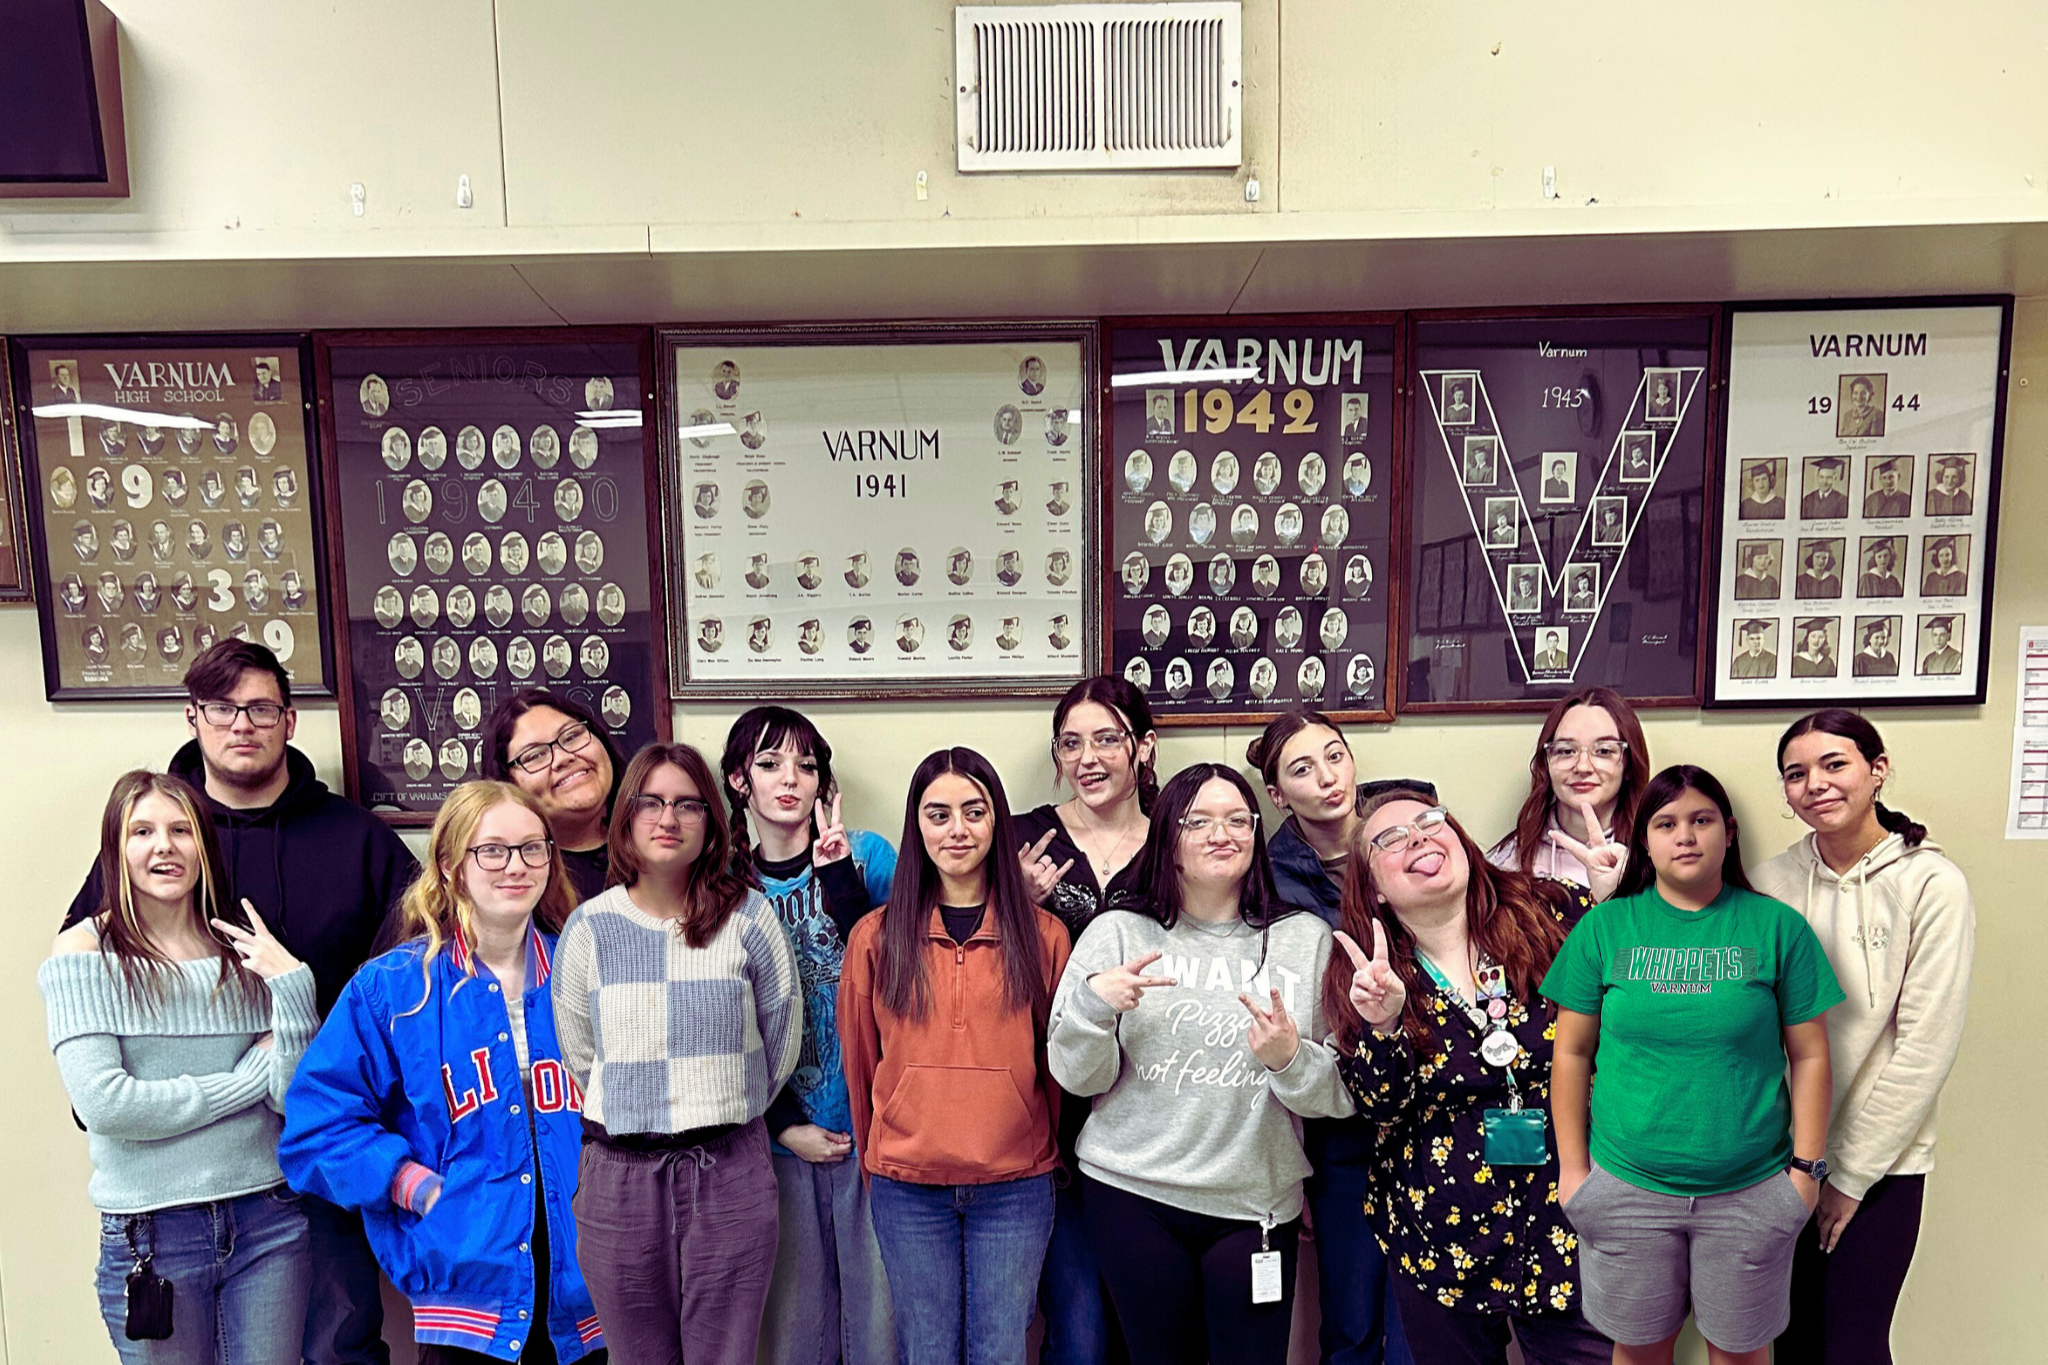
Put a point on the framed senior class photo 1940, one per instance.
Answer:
(174, 500)
(1859, 501)
(1251, 500)
(494, 529)
(880, 510)
(1558, 495)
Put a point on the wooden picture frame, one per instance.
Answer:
(16, 584)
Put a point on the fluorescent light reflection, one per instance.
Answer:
(141, 419)
(1234, 375)
(709, 429)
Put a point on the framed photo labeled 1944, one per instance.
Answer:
(1251, 506)
(1859, 502)
(493, 525)
(888, 510)
(174, 500)
(1559, 494)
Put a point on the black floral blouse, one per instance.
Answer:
(1488, 1239)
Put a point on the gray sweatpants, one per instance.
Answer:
(1644, 1255)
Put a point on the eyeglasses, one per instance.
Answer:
(1563, 753)
(570, 738)
(1101, 742)
(498, 857)
(1238, 824)
(690, 810)
(264, 715)
(1397, 836)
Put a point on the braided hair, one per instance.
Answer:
(761, 729)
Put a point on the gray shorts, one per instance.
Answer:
(1644, 1255)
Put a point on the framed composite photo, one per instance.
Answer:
(897, 510)
(173, 500)
(1559, 488)
(1250, 505)
(1859, 501)
(14, 578)
(494, 519)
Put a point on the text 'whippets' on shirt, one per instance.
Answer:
(1184, 1113)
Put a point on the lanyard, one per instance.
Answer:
(1497, 1046)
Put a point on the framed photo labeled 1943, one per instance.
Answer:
(1251, 504)
(1559, 494)
(880, 510)
(174, 500)
(493, 525)
(1859, 502)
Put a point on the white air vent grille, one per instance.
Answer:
(1099, 87)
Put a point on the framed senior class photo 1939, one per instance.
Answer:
(1862, 449)
(1559, 490)
(880, 510)
(1251, 502)
(174, 499)
(494, 503)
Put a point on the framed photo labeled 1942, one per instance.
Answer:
(174, 500)
(880, 510)
(1859, 502)
(1251, 504)
(1559, 493)
(493, 524)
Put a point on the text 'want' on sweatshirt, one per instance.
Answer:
(1184, 1113)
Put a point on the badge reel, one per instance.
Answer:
(1514, 1135)
(1265, 1267)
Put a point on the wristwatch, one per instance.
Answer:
(1817, 1168)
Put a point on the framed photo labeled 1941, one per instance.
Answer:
(173, 501)
(493, 524)
(902, 509)
(1859, 508)
(1251, 502)
(1559, 490)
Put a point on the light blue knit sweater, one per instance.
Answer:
(179, 1105)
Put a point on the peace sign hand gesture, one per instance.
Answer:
(1605, 860)
(1272, 1035)
(1376, 990)
(1121, 988)
(261, 952)
(1040, 876)
(832, 843)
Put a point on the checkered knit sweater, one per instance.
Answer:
(664, 1037)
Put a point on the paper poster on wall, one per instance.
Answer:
(901, 510)
(1859, 503)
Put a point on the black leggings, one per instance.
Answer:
(1185, 1280)
(1843, 1300)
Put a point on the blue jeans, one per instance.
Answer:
(1359, 1323)
(239, 1272)
(963, 1265)
(828, 1303)
(1078, 1322)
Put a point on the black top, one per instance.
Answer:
(1079, 897)
(962, 920)
(589, 869)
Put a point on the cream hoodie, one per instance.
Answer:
(1900, 932)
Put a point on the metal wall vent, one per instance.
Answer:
(1099, 87)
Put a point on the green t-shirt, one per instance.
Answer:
(1689, 1096)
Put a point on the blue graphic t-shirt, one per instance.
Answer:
(793, 888)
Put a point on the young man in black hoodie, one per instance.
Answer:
(324, 873)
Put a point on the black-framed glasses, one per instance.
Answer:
(690, 810)
(1422, 826)
(1606, 752)
(264, 715)
(498, 857)
(536, 758)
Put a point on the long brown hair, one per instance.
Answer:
(1533, 822)
(1507, 917)
(712, 890)
(434, 908)
(144, 969)
(902, 982)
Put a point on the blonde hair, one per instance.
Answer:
(435, 908)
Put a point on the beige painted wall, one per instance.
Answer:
(649, 161)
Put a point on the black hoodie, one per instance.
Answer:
(323, 871)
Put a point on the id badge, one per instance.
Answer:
(1265, 1277)
(1514, 1137)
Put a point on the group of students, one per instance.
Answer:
(667, 1060)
